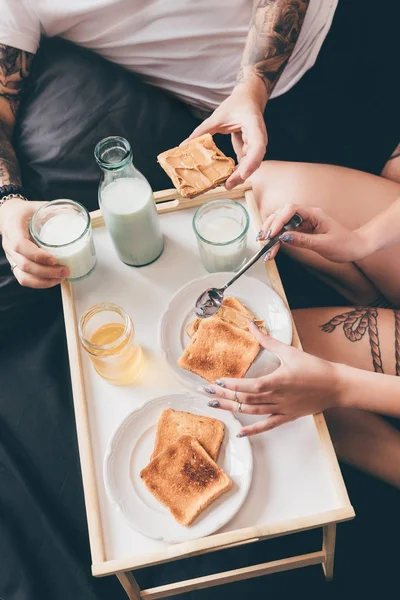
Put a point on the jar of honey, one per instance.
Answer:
(107, 334)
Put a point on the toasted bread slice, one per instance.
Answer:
(185, 479)
(219, 349)
(196, 166)
(233, 311)
(172, 424)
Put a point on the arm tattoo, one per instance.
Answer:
(14, 69)
(355, 324)
(9, 169)
(274, 28)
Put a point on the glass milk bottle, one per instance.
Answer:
(127, 204)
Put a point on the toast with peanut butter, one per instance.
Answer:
(196, 166)
(172, 424)
(185, 479)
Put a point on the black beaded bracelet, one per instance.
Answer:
(11, 189)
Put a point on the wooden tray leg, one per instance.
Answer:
(129, 584)
(328, 546)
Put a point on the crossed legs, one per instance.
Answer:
(352, 198)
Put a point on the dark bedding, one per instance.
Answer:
(74, 99)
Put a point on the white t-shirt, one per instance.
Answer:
(191, 48)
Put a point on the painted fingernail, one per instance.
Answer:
(241, 435)
(220, 383)
(268, 234)
(287, 238)
(267, 257)
(213, 404)
(259, 235)
(209, 390)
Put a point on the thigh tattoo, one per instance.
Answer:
(356, 323)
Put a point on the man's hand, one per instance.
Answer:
(274, 28)
(302, 385)
(35, 267)
(241, 115)
(318, 232)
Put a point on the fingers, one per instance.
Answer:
(18, 243)
(267, 424)
(246, 409)
(207, 126)
(281, 350)
(27, 280)
(307, 241)
(238, 145)
(246, 397)
(36, 269)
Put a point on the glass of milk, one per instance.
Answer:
(62, 228)
(221, 230)
(127, 204)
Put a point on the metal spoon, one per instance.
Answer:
(210, 301)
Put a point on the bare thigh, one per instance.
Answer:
(352, 198)
(365, 338)
(368, 339)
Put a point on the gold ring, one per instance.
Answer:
(239, 410)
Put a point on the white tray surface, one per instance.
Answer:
(291, 476)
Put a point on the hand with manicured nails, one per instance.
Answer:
(318, 232)
(241, 115)
(302, 385)
(35, 268)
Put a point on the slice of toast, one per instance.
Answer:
(197, 166)
(233, 311)
(219, 349)
(185, 479)
(172, 424)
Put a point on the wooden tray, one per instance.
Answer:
(320, 498)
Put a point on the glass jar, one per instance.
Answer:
(127, 204)
(221, 230)
(62, 228)
(107, 334)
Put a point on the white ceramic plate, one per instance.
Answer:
(129, 451)
(259, 297)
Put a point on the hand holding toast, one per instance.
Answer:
(303, 384)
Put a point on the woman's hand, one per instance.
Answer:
(318, 232)
(241, 115)
(35, 268)
(302, 385)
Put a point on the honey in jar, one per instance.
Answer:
(107, 334)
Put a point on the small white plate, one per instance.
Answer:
(129, 452)
(259, 297)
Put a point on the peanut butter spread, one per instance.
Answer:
(196, 166)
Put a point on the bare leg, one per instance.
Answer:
(352, 198)
(361, 439)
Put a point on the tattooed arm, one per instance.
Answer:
(34, 267)
(274, 29)
(14, 68)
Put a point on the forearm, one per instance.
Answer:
(14, 69)
(9, 168)
(273, 33)
(382, 231)
(373, 392)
